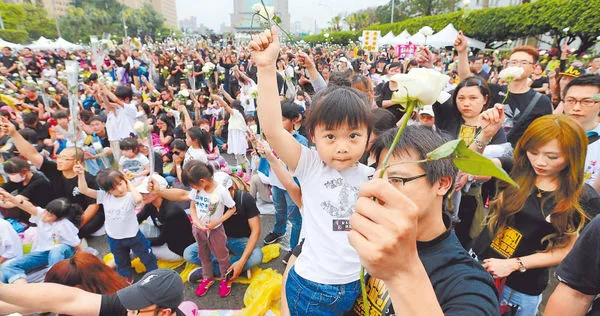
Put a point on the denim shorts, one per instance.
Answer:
(310, 298)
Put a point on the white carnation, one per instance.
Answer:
(421, 84)
(139, 127)
(511, 73)
(426, 31)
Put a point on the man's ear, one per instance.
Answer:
(444, 185)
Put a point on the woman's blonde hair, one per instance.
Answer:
(567, 217)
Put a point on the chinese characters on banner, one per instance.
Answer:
(405, 51)
(369, 40)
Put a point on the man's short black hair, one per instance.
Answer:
(585, 80)
(60, 115)
(420, 140)
(30, 118)
(289, 110)
(129, 144)
(339, 79)
(124, 93)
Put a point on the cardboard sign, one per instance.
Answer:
(405, 51)
(369, 40)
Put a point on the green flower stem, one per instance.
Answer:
(507, 91)
(363, 290)
(409, 111)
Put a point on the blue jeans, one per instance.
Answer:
(285, 210)
(17, 268)
(528, 304)
(310, 298)
(140, 246)
(235, 246)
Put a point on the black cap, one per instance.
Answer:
(162, 287)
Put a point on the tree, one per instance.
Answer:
(426, 7)
(335, 23)
(37, 22)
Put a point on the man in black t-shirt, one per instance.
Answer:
(62, 177)
(386, 89)
(159, 292)
(415, 262)
(579, 276)
(520, 96)
(9, 61)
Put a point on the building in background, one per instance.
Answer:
(241, 18)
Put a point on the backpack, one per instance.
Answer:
(239, 184)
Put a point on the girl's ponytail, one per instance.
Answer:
(194, 171)
(62, 208)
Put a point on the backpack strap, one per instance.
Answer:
(528, 109)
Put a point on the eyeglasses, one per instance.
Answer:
(404, 181)
(519, 62)
(584, 102)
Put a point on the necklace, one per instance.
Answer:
(540, 192)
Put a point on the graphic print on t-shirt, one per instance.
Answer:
(467, 133)
(506, 241)
(341, 209)
(206, 206)
(133, 165)
(378, 299)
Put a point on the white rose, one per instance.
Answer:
(257, 7)
(139, 127)
(185, 93)
(188, 102)
(426, 31)
(422, 84)
(97, 146)
(511, 73)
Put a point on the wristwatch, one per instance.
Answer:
(522, 267)
(470, 178)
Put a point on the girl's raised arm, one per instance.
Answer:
(82, 184)
(265, 50)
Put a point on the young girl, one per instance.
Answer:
(208, 202)
(196, 140)
(119, 199)
(237, 143)
(534, 226)
(325, 278)
(132, 163)
(56, 237)
(212, 151)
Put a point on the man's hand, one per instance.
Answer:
(461, 180)
(238, 268)
(265, 47)
(425, 58)
(384, 228)
(78, 168)
(7, 127)
(306, 60)
(460, 43)
(492, 120)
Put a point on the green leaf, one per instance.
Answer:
(277, 19)
(444, 151)
(474, 163)
(596, 97)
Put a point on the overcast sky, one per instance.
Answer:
(213, 13)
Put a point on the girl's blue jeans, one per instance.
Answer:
(528, 304)
(140, 246)
(17, 268)
(236, 247)
(310, 298)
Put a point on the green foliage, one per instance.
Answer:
(12, 15)
(37, 23)
(14, 36)
(504, 23)
(340, 38)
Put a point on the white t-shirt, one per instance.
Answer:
(120, 125)
(10, 243)
(135, 164)
(211, 206)
(237, 121)
(195, 154)
(50, 234)
(328, 197)
(120, 220)
(592, 159)
(246, 97)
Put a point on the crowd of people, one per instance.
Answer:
(144, 162)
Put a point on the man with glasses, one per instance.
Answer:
(579, 104)
(524, 103)
(158, 293)
(415, 262)
(62, 177)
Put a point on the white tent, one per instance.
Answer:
(385, 40)
(446, 37)
(41, 43)
(402, 38)
(419, 39)
(62, 43)
(4, 43)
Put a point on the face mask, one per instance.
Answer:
(16, 178)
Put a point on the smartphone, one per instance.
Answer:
(229, 275)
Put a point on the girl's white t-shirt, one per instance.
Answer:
(10, 243)
(237, 121)
(120, 220)
(328, 198)
(211, 206)
(51, 234)
(195, 154)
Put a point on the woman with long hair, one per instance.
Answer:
(532, 227)
(87, 272)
